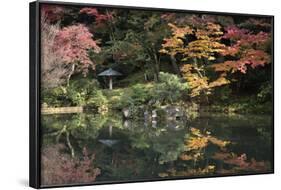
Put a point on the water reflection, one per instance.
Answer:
(144, 149)
(109, 142)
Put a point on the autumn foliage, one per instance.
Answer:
(99, 17)
(196, 54)
(244, 49)
(73, 43)
(52, 13)
(197, 44)
(65, 50)
(247, 49)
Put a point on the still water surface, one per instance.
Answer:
(211, 144)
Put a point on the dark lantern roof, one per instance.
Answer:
(109, 72)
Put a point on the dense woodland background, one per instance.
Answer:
(223, 62)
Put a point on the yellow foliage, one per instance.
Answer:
(219, 82)
(198, 83)
(190, 172)
(186, 68)
(225, 67)
(214, 30)
(218, 142)
(199, 140)
(195, 132)
(195, 143)
(180, 32)
(206, 45)
(103, 109)
(172, 46)
(186, 157)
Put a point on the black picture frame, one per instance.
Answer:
(34, 90)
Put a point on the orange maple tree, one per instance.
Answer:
(199, 46)
(196, 54)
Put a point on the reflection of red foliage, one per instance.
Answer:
(258, 166)
(240, 162)
(59, 168)
(73, 42)
(243, 164)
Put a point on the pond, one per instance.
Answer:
(89, 148)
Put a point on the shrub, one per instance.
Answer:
(55, 97)
(222, 93)
(98, 100)
(79, 91)
(133, 96)
(76, 97)
(76, 94)
(265, 92)
(141, 94)
(170, 88)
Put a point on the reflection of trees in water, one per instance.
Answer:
(59, 168)
(70, 129)
(128, 149)
(197, 159)
(59, 133)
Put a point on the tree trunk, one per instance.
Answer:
(145, 77)
(70, 73)
(175, 66)
(201, 76)
(156, 67)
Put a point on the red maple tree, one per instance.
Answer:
(52, 13)
(246, 49)
(99, 17)
(73, 43)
